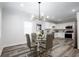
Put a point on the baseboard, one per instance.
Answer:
(8, 45)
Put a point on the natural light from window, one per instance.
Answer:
(27, 27)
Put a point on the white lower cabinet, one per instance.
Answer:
(59, 35)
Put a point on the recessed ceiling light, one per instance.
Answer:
(73, 10)
(22, 5)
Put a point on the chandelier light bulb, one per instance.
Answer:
(32, 16)
(47, 16)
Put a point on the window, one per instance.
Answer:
(27, 27)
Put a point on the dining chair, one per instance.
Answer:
(29, 44)
(49, 44)
(49, 41)
(33, 37)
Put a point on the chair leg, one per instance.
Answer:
(49, 52)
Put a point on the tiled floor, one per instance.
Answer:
(61, 48)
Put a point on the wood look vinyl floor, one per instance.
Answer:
(61, 48)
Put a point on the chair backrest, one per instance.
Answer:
(49, 41)
(33, 36)
(28, 40)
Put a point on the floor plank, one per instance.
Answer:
(61, 48)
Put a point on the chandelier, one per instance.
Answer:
(40, 17)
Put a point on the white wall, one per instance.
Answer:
(1, 48)
(12, 29)
(0, 26)
(78, 30)
(62, 26)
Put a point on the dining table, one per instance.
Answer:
(38, 42)
(41, 44)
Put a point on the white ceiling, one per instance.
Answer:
(57, 11)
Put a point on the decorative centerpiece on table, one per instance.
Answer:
(40, 34)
